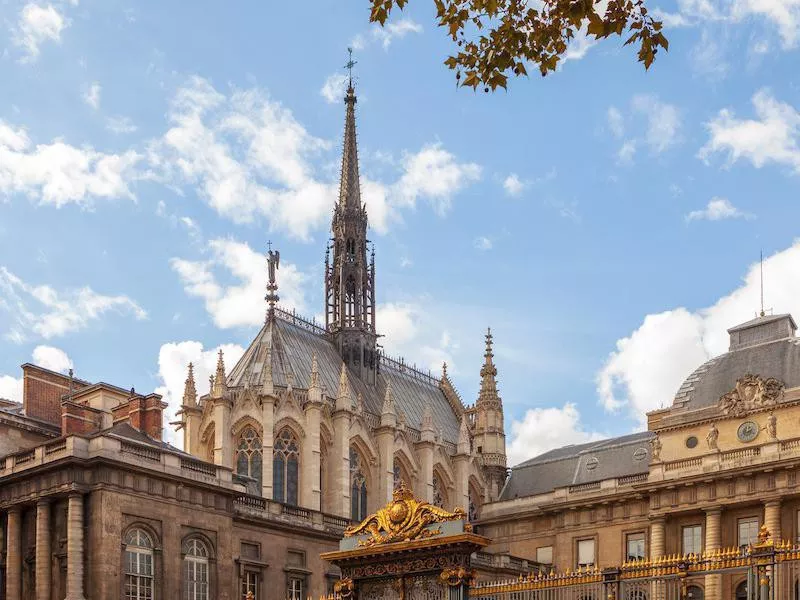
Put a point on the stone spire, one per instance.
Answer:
(267, 383)
(349, 272)
(273, 262)
(388, 413)
(189, 390)
(488, 393)
(220, 386)
(343, 399)
(210, 385)
(314, 387)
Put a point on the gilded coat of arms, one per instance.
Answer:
(752, 392)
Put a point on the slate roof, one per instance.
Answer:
(293, 343)
(709, 382)
(578, 464)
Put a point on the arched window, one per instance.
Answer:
(398, 474)
(694, 592)
(741, 591)
(195, 570)
(139, 572)
(248, 454)
(285, 457)
(474, 504)
(350, 302)
(358, 487)
(439, 493)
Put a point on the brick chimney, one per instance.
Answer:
(144, 413)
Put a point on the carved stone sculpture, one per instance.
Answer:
(751, 393)
(772, 426)
(655, 444)
(711, 438)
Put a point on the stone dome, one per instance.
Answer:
(765, 346)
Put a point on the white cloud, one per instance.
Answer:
(120, 125)
(92, 95)
(173, 361)
(395, 31)
(36, 25)
(708, 58)
(482, 243)
(60, 174)
(435, 174)
(663, 121)
(513, 185)
(334, 88)
(543, 429)
(626, 152)
(52, 358)
(648, 366)
(242, 304)
(718, 209)
(616, 122)
(45, 312)
(772, 137)
(782, 14)
(44, 356)
(11, 388)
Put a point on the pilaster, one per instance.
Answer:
(384, 436)
(223, 454)
(340, 464)
(43, 565)
(310, 496)
(267, 444)
(461, 492)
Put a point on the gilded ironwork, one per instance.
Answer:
(457, 576)
(404, 518)
(344, 587)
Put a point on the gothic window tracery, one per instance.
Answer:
(285, 459)
(358, 487)
(249, 454)
(439, 493)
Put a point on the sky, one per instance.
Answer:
(605, 221)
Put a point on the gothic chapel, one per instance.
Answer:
(321, 419)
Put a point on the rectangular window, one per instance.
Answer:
(692, 539)
(295, 588)
(544, 555)
(748, 531)
(635, 543)
(250, 584)
(586, 553)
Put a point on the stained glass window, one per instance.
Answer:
(358, 487)
(439, 494)
(248, 454)
(285, 460)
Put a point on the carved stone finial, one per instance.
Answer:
(273, 262)
(190, 390)
(344, 400)
(388, 403)
(463, 437)
(314, 388)
(220, 386)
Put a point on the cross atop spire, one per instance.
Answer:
(349, 66)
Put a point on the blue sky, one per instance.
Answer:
(604, 221)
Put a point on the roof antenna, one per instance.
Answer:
(762, 283)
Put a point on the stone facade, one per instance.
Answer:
(310, 431)
(710, 470)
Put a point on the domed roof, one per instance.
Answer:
(765, 346)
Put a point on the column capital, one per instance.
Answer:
(713, 510)
(772, 503)
(14, 509)
(44, 501)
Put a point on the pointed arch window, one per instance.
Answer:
(358, 487)
(400, 474)
(439, 493)
(285, 459)
(249, 454)
(350, 302)
(474, 504)
(195, 570)
(139, 571)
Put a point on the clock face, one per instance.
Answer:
(748, 431)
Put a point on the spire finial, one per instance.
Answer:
(273, 262)
(349, 66)
(219, 378)
(190, 390)
(343, 398)
(488, 392)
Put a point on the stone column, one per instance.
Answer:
(43, 550)
(657, 550)
(340, 464)
(385, 438)
(713, 589)
(75, 548)
(772, 519)
(223, 444)
(267, 441)
(14, 554)
(425, 485)
(461, 492)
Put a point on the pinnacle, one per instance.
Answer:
(190, 390)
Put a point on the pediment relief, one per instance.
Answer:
(752, 392)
